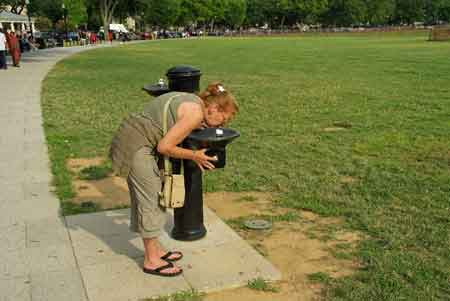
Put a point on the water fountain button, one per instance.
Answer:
(219, 132)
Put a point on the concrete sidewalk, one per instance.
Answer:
(44, 256)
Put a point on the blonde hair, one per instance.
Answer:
(215, 93)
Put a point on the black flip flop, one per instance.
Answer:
(168, 254)
(158, 271)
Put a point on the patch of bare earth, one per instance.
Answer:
(298, 248)
(108, 193)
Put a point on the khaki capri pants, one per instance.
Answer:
(147, 218)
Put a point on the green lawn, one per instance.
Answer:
(387, 173)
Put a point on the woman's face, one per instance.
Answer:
(217, 116)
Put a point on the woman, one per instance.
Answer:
(139, 143)
(14, 49)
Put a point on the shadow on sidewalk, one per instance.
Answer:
(100, 236)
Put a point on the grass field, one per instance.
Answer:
(386, 172)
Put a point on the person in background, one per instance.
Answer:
(23, 42)
(88, 37)
(2, 50)
(13, 46)
(110, 36)
(93, 38)
(33, 47)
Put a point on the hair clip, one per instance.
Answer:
(221, 88)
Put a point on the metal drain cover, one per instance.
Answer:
(258, 224)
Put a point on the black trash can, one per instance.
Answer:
(184, 79)
(181, 78)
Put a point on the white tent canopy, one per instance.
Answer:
(15, 21)
(117, 27)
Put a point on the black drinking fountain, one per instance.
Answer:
(188, 220)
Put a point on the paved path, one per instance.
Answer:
(36, 256)
(91, 257)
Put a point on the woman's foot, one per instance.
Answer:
(161, 268)
(168, 256)
(172, 256)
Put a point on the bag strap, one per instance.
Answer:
(167, 163)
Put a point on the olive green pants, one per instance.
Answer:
(147, 218)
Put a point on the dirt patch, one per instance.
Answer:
(107, 193)
(76, 165)
(305, 245)
(333, 129)
(230, 205)
(299, 248)
(111, 192)
(348, 180)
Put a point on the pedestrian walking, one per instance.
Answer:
(2, 50)
(13, 46)
(93, 38)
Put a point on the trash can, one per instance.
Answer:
(184, 78)
(181, 78)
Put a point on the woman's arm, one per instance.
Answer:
(190, 116)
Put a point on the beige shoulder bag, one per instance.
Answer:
(172, 194)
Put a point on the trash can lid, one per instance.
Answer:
(183, 71)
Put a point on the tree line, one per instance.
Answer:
(234, 14)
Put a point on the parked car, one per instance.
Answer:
(215, 33)
(46, 39)
(132, 36)
(145, 35)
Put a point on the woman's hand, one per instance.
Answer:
(203, 161)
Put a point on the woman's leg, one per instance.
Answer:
(147, 217)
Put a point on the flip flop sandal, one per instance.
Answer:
(168, 254)
(159, 271)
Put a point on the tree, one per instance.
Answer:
(255, 13)
(162, 13)
(186, 15)
(345, 12)
(234, 13)
(308, 11)
(77, 12)
(107, 9)
(103, 11)
(43, 23)
(277, 11)
(17, 6)
(94, 20)
(52, 9)
(202, 11)
(444, 11)
(216, 12)
(409, 11)
(127, 8)
(436, 10)
(380, 12)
